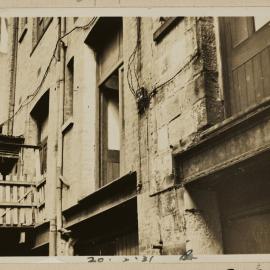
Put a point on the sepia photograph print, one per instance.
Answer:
(134, 136)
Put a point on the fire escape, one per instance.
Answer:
(22, 195)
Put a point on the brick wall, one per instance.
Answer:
(181, 108)
(181, 68)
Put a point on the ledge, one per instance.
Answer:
(17, 227)
(107, 197)
(67, 125)
(228, 144)
(17, 183)
(15, 204)
(243, 119)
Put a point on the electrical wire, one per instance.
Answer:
(30, 97)
(131, 62)
(193, 58)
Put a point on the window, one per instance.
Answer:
(246, 62)
(68, 94)
(165, 24)
(110, 129)
(106, 39)
(109, 51)
(40, 25)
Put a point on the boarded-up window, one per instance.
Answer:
(246, 62)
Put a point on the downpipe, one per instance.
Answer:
(59, 221)
(56, 223)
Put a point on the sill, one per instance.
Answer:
(23, 34)
(67, 125)
(241, 117)
(165, 28)
(251, 115)
(116, 182)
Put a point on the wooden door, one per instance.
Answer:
(244, 205)
(125, 244)
(246, 62)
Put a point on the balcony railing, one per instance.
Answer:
(17, 206)
(22, 196)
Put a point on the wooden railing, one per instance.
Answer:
(17, 205)
(39, 191)
(40, 200)
(22, 198)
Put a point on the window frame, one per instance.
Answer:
(165, 27)
(103, 124)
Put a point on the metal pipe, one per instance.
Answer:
(60, 138)
(13, 73)
(56, 221)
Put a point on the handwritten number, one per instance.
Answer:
(91, 259)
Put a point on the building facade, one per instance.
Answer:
(134, 135)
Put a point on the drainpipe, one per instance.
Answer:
(59, 224)
(13, 71)
(56, 222)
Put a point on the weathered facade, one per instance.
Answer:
(134, 135)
